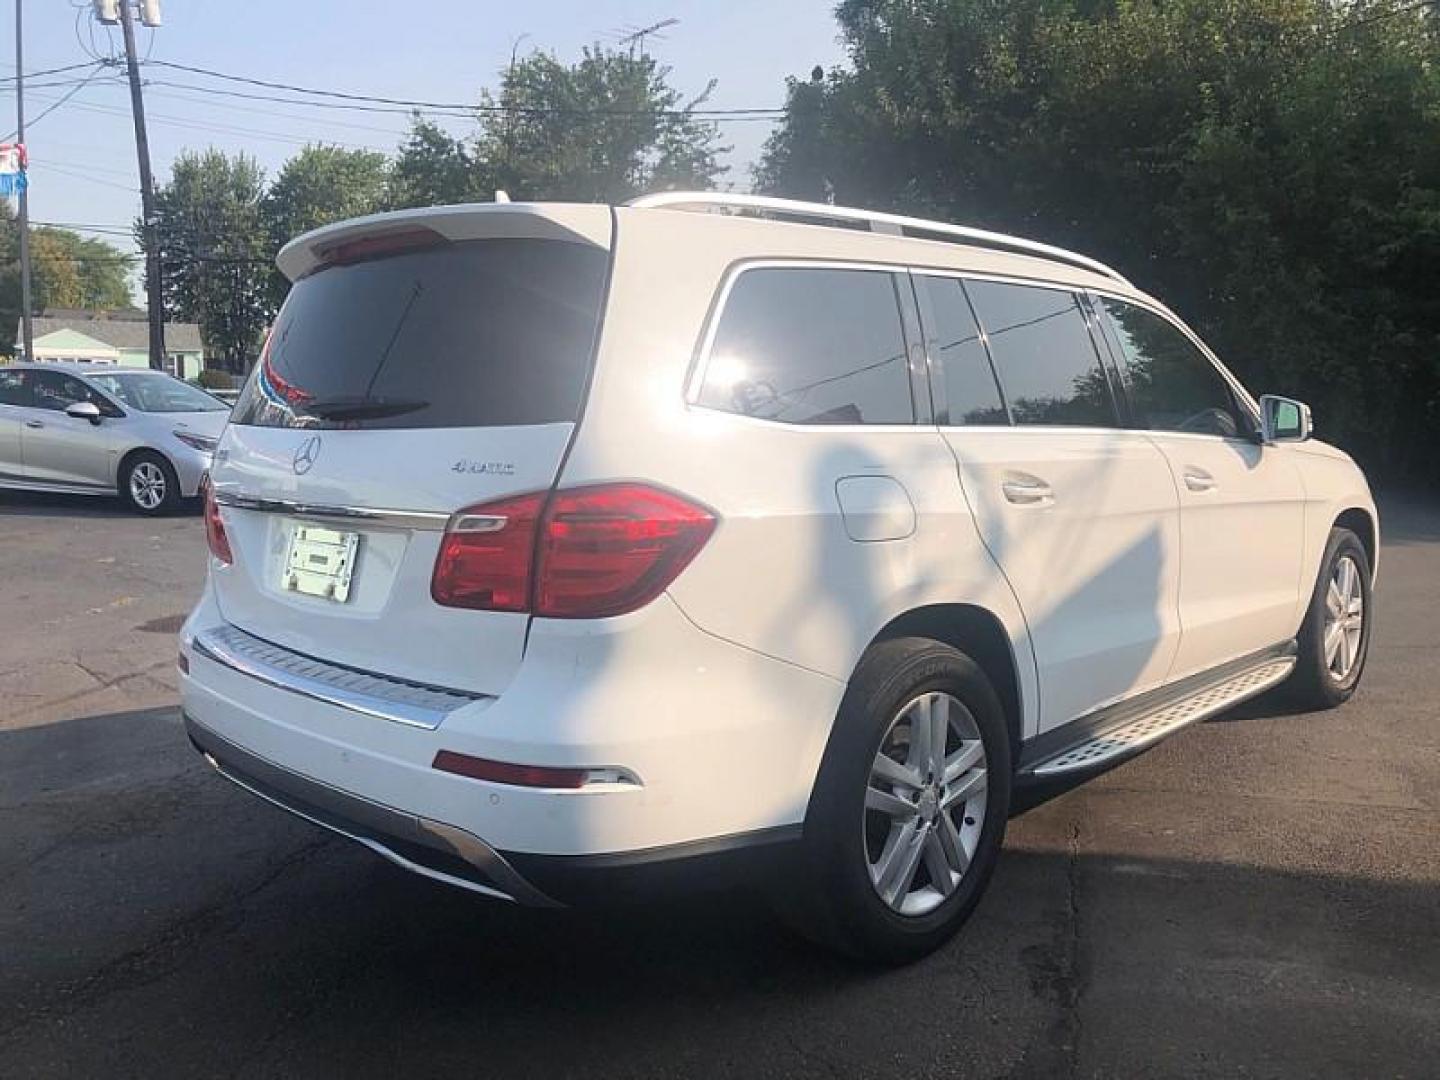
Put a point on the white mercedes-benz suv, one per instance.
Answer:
(558, 551)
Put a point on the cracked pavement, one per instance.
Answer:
(1258, 896)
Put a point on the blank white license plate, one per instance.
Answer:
(320, 562)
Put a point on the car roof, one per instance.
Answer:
(70, 367)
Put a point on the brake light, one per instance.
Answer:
(611, 549)
(585, 553)
(487, 554)
(215, 528)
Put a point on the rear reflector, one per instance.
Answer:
(501, 772)
(582, 553)
(215, 528)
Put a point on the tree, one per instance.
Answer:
(319, 185)
(1270, 167)
(215, 251)
(9, 279)
(71, 271)
(604, 129)
(66, 270)
(434, 168)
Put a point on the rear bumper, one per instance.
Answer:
(430, 848)
(717, 747)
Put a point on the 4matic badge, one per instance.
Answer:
(484, 468)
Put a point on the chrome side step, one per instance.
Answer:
(1129, 736)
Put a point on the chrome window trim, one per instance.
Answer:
(380, 696)
(399, 519)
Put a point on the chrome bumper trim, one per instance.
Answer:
(380, 828)
(360, 515)
(380, 696)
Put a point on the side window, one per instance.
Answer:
(14, 387)
(57, 391)
(1043, 354)
(811, 346)
(952, 337)
(1173, 386)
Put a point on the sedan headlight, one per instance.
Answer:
(203, 443)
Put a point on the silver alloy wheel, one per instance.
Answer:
(147, 485)
(1344, 618)
(925, 803)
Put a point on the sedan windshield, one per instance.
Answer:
(158, 393)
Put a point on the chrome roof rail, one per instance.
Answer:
(890, 224)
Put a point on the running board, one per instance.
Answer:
(1130, 736)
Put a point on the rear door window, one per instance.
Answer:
(476, 334)
(1172, 385)
(811, 345)
(56, 391)
(14, 387)
(1044, 355)
(970, 394)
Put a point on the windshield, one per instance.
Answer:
(158, 393)
(473, 334)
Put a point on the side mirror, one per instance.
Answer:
(1283, 419)
(84, 410)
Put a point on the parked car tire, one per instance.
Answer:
(148, 483)
(900, 841)
(1334, 639)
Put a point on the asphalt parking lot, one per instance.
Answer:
(1258, 896)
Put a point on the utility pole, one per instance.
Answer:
(156, 309)
(27, 335)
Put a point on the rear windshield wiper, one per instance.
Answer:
(359, 407)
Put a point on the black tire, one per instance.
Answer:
(147, 463)
(1314, 684)
(830, 897)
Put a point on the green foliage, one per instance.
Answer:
(433, 169)
(319, 185)
(71, 271)
(215, 251)
(1270, 167)
(602, 130)
(66, 271)
(210, 379)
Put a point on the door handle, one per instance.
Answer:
(1199, 480)
(34, 423)
(1027, 492)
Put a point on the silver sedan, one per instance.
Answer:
(142, 435)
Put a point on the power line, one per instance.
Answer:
(48, 71)
(460, 106)
(61, 101)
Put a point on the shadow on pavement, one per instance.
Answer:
(57, 505)
(158, 921)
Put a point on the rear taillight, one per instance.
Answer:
(215, 529)
(585, 553)
(487, 555)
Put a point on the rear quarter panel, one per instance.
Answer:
(780, 576)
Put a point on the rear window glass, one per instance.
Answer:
(479, 334)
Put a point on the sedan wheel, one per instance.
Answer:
(148, 485)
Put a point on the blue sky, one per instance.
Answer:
(82, 155)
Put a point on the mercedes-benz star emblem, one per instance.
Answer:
(305, 456)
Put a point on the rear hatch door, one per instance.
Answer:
(413, 372)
